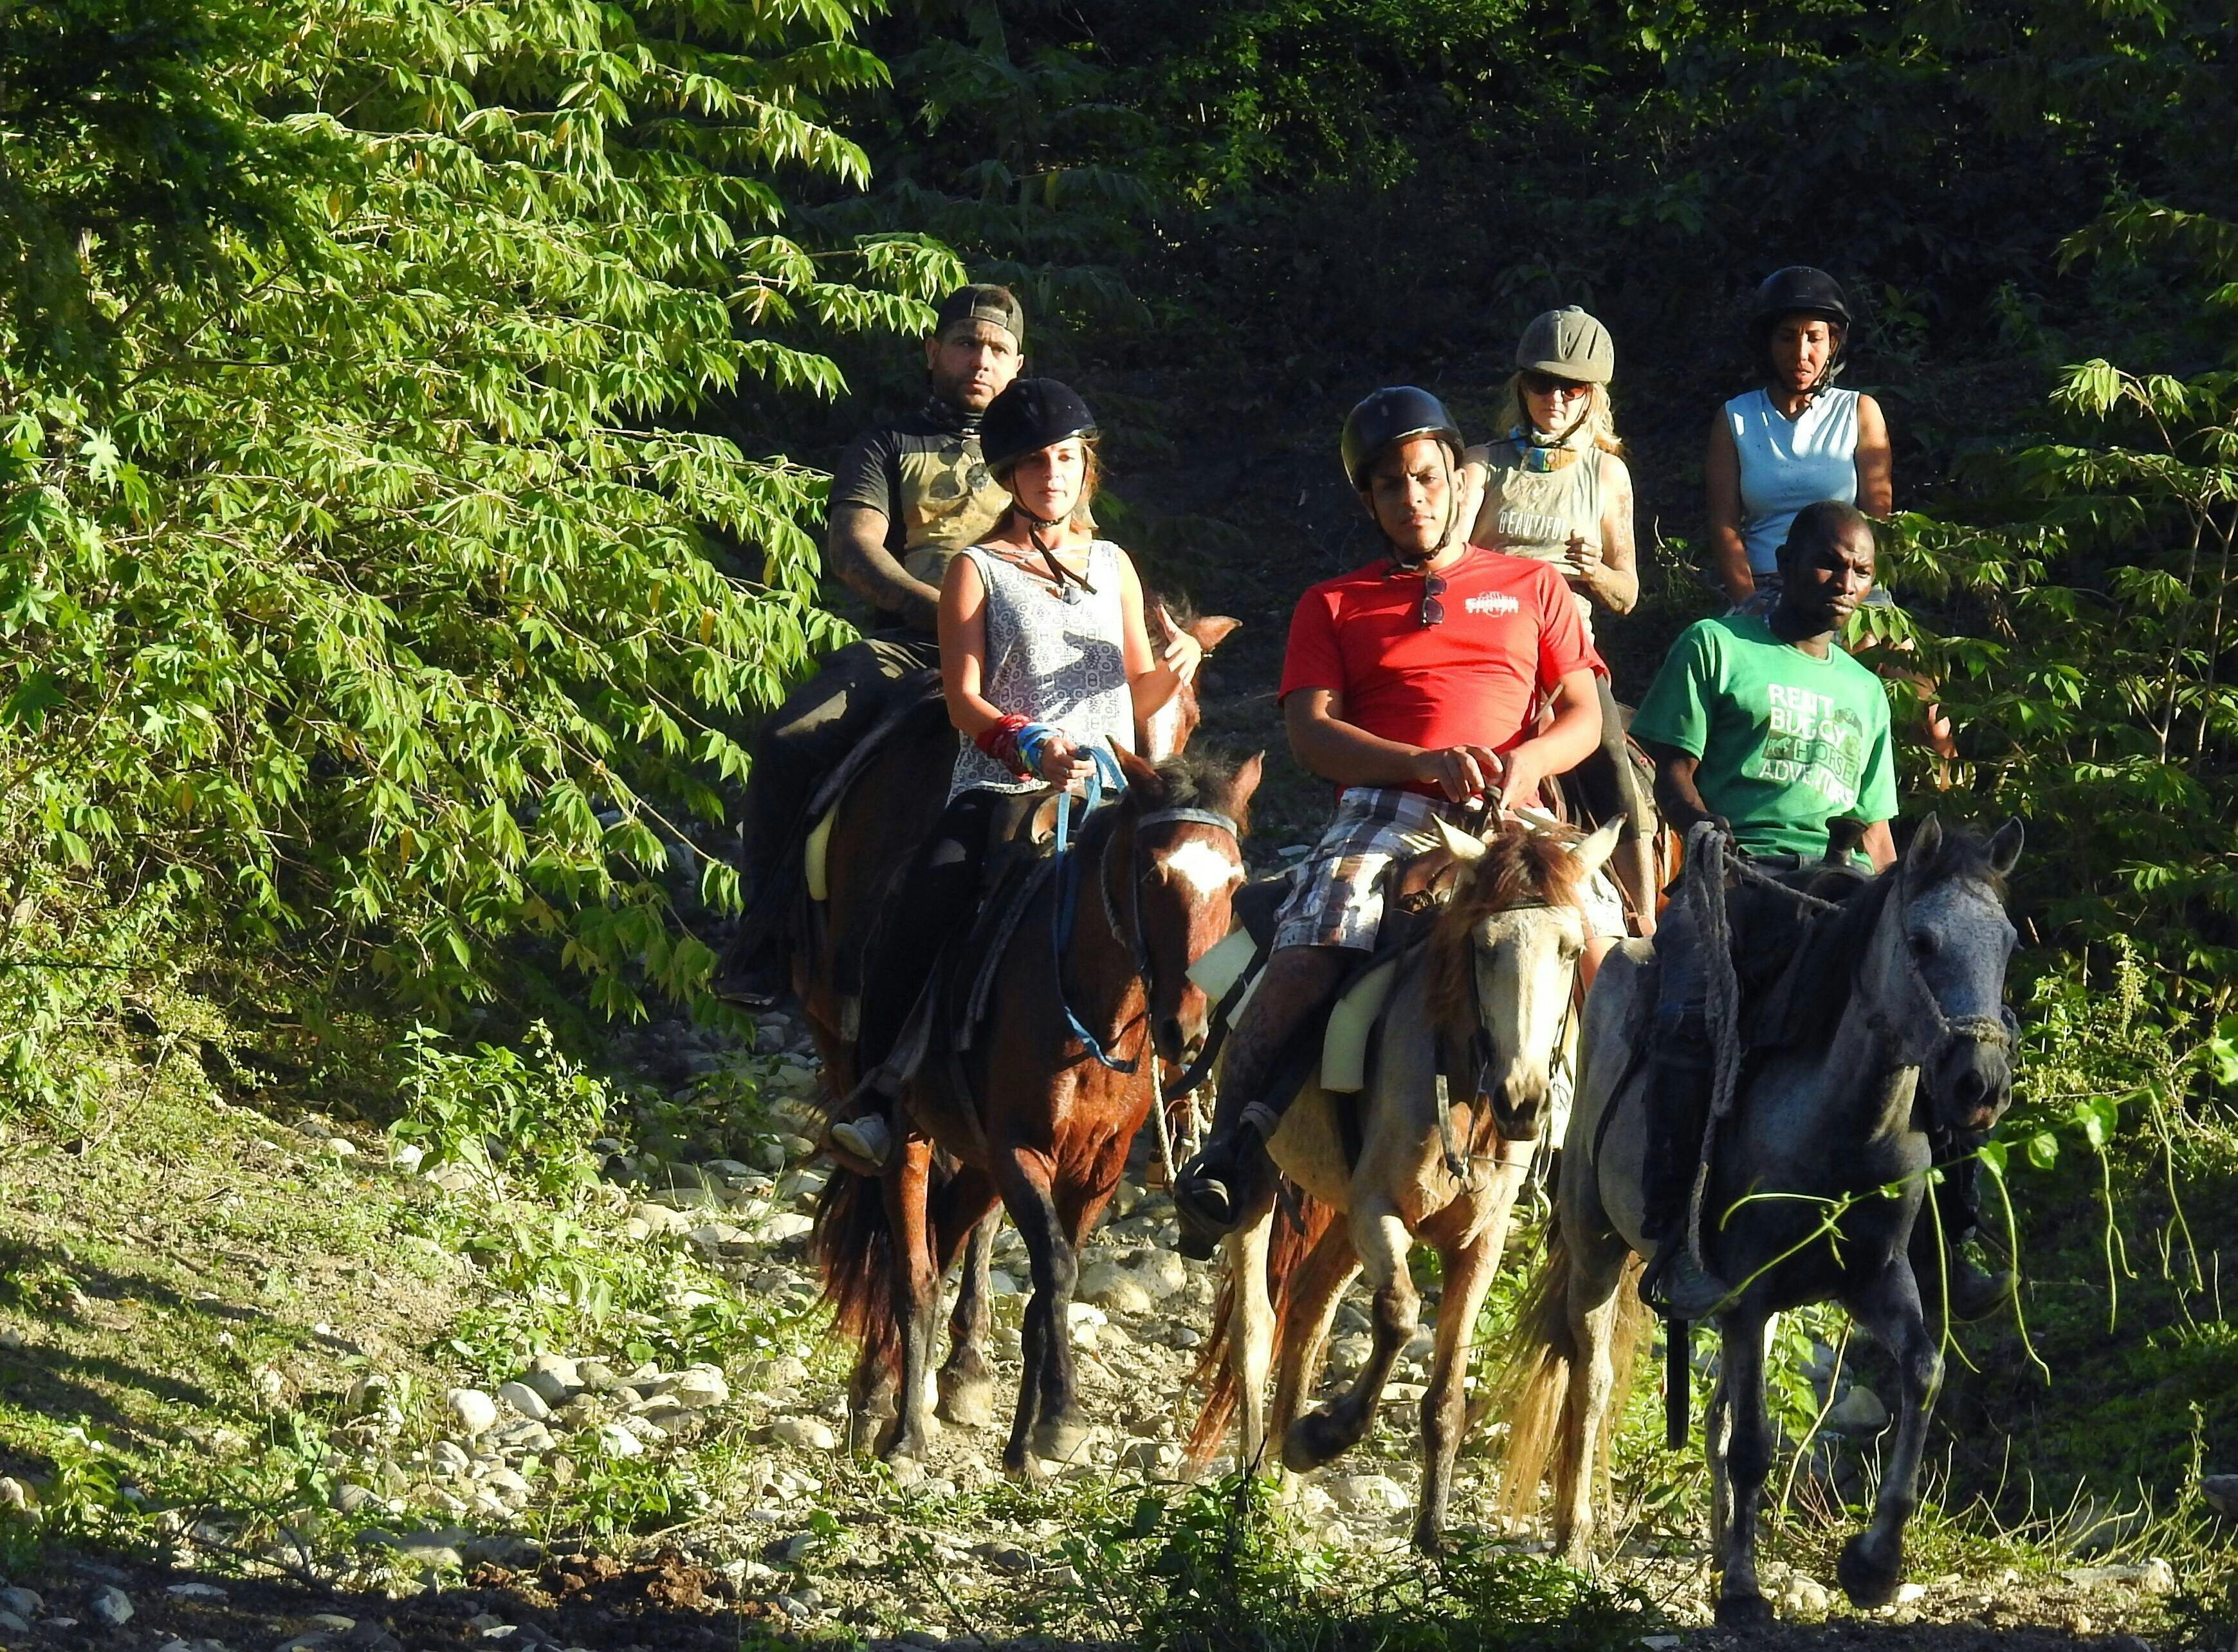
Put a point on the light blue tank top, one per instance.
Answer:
(1788, 463)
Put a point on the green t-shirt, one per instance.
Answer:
(1785, 742)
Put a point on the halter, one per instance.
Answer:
(1993, 1031)
(1104, 768)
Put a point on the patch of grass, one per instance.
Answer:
(1222, 1567)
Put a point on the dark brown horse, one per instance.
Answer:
(877, 828)
(1029, 1118)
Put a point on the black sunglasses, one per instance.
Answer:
(1431, 612)
(1546, 384)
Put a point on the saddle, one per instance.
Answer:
(952, 1004)
(1341, 1038)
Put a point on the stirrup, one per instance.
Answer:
(1679, 1288)
(866, 1141)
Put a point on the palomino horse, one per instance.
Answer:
(877, 825)
(1817, 1137)
(1028, 1116)
(1492, 987)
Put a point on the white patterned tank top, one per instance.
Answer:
(1051, 659)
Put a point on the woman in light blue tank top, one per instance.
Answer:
(1796, 439)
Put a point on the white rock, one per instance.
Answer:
(662, 1218)
(196, 1591)
(555, 1377)
(619, 1442)
(10, 1624)
(12, 1494)
(1114, 1288)
(449, 1456)
(1366, 1493)
(349, 1499)
(1160, 1273)
(2155, 1576)
(1805, 1597)
(804, 1433)
(1079, 1314)
(596, 1375)
(111, 1605)
(405, 1157)
(475, 1411)
(525, 1400)
(22, 1602)
(698, 1388)
(786, 1224)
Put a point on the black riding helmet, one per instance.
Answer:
(1388, 416)
(1801, 290)
(1033, 414)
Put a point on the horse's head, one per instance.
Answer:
(1503, 957)
(1168, 728)
(1188, 815)
(1937, 970)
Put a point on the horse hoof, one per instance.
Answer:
(1744, 1612)
(967, 1402)
(1867, 1580)
(1059, 1440)
(1313, 1440)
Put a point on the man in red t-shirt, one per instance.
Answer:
(1411, 684)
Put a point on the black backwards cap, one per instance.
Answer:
(993, 305)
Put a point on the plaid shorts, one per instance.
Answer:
(1336, 893)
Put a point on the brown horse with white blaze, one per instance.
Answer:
(876, 828)
(1028, 1116)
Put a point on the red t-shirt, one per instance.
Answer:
(1509, 635)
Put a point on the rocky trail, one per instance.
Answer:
(296, 1453)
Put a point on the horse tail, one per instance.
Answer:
(1289, 1245)
(853, 1245)
(1532, 1389)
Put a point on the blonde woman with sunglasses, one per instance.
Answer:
(1554, 488)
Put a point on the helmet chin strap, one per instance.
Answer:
(1060, 575)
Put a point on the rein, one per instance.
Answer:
(1103, 770)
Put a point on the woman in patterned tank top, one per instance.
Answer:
(1044, 653)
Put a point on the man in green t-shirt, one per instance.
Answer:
(1767, 728)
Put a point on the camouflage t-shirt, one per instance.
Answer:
(1785, 741)
(923, 474)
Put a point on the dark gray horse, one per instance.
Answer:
(1793, 1213)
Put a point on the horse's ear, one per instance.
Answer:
(1464, 846)
(1592, 853)
(1926, 844)
(1143, 781)
(2005, 846)
(1212, 630)
(1249, 773)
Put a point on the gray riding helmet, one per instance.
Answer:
(1570, 344)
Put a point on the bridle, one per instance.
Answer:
(1104, 766)
(1989, 1031)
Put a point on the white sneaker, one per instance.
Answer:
(867, 1138)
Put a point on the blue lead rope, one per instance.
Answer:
(1103, 772)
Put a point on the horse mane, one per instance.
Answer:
(1520, 867)
(1202, 779)
(1809, 991)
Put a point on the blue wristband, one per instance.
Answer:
(1032, 739)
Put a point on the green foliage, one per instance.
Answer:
(2092, 661)
(1216, 1566)
(534, 1114)
(362, 593)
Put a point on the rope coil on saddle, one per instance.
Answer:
(1710, 862)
